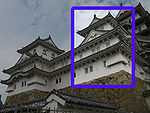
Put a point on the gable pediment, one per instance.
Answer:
(108, 22)
(102, 29)
(53, 100)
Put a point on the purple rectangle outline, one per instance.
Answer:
(133, 81)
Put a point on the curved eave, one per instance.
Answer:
(84, 31)
(139, 9)
(36, 43)
(4, 82)
(95, 19)
(22, 74)
(61, 56)
(118, 29)
(72, 99)
(15, 67)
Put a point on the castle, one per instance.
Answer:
(104, 53)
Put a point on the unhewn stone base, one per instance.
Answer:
(26, 97)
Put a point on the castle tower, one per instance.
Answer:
(29, 77)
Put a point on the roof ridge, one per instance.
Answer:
(72, 95)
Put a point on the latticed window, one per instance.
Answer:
(24, 83)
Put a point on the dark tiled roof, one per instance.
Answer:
(82, 101)
(44, 42)
(130, 99)
(139, 8)
(96, 24)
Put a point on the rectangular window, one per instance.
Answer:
(91, 68)
(22, 84)
(86, 70)
(56, 81)
(74, 75)
(25, 83)
(45, 82)
(59, 80)
(104, 63)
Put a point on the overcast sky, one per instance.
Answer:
(22, 21)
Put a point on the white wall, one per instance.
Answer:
(99, 70)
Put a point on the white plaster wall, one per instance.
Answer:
(99, 70)
(35, 78)
(28, 88)
(86, 53)
(65, 81)
(99, 47)
(38, 78)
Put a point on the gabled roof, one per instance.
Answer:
(28, 73)
(124, 14)
(106, 19)
(95, 19)
(72, 99)
(48, 43)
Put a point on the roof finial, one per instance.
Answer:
(94, 15)
(38, 37)
(109, 14)
(121, 4)
(49, 36)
